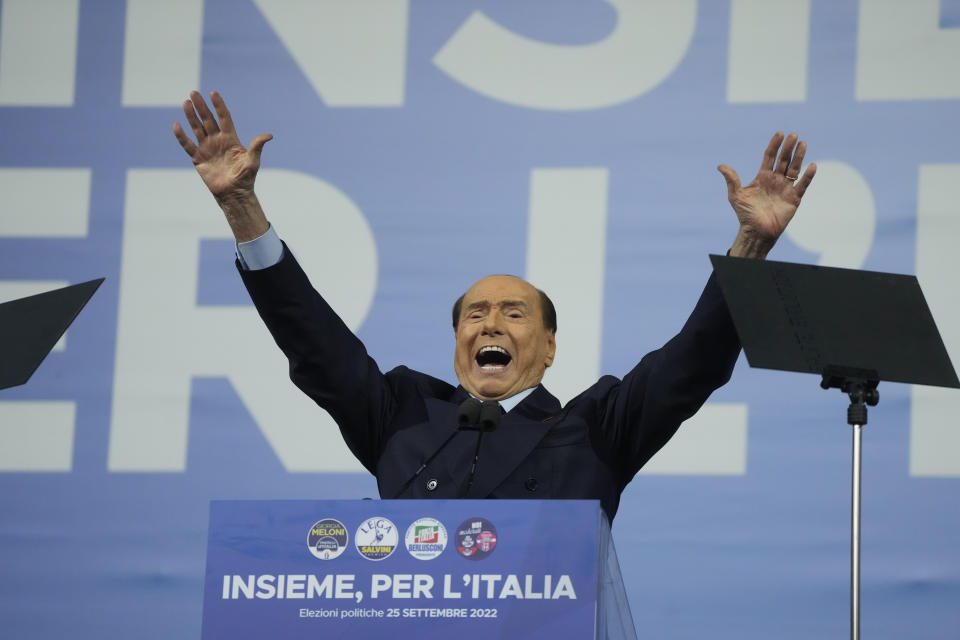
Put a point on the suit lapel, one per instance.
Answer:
(443, 422)
(501, 451)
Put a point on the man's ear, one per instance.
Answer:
(551, 348)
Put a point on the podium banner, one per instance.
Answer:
(389, 569)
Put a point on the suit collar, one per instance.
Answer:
(537, 405)
(501, 451)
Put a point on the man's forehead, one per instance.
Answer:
(501, 287)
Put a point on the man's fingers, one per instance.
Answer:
(223, 114)
(797, 162)
(770, 153)
(733, 180)
(806, 178)
(194, 121)
(256, 145)
(206, 117)
(184, 141)
(786, 153)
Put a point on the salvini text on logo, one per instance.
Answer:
(475, 586)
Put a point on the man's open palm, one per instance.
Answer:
(226, 167)
(766, 205)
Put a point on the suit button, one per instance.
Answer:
(531, 484)
(432, 484)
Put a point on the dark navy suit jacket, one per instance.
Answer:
(589, 449)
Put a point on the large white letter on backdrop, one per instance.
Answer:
(40, 203)
(650, 39)
(839, 217)
(164, 338)
(568, 206)
(903, 54)
(353, 53)
(757, 31)
(934, 436)
(161, 51)
(36, 435)
(38, 52)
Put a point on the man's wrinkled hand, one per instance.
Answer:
(766, 205)
(227, 167)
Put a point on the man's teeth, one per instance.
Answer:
(493, 358)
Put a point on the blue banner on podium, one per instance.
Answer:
(397, 569)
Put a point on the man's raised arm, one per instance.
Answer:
(327, 361)
(670, 384)
(225, 165)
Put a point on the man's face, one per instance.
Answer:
(502, 345)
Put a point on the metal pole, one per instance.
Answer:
(855, 537)
(862, 392)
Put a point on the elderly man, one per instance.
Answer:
(402, 425)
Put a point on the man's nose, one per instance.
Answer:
(492, 324)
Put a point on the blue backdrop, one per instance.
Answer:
(420, 145)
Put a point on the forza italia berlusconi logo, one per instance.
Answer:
(426, 538)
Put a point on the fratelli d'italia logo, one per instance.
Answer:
(327, 539)
(426, 539)
(376, 538)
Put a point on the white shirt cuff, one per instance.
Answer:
(261, 252)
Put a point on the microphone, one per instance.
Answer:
(490, 413)
(488, 420)
(469, 415)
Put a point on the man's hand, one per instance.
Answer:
(765, 206)
(226, 167)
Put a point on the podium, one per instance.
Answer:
(413, 568)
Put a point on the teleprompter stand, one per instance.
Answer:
(853, 328)
(30, 327)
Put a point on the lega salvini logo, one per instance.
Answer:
(376, 538)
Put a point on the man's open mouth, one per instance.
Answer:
(493, 358)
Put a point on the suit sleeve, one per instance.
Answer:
(327, 361)
(669, 385)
